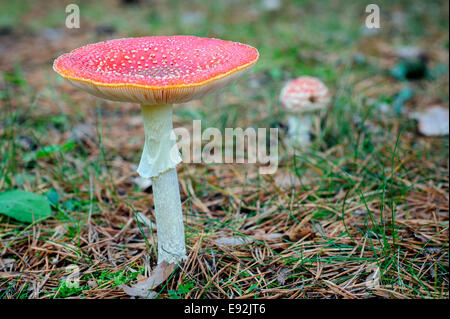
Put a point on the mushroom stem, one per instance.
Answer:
(299, 128)
(160, 151)
(158, 162)
(169, 218)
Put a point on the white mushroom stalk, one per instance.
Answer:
(158, 162)
(299, 127)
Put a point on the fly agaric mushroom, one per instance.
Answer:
(158, 72)
(302, 98)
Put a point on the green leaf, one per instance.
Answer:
(52, 197)
(24, 206)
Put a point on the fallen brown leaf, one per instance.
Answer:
(144, 289)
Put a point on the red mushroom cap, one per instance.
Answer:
(155, 70)
(304, 94)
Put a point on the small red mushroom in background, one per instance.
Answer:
(305, 99)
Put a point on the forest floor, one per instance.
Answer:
(361, 212)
